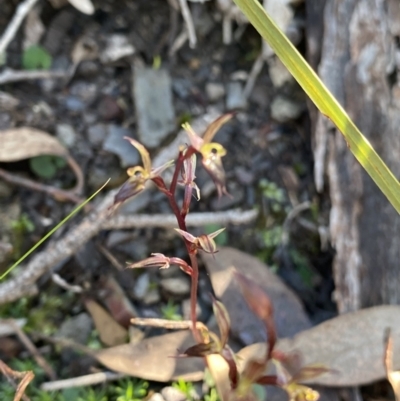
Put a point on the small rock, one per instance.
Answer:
(244, 176)
(8, 102)
(235, 98)
(172, 394)
(116, 144)
(215, 91)
(141, 287)
(117, 47)
(156, 397)
(97, 134)
(178, 286)
(66, 134)
(72, 103)
(278, 73)
(154, 105)
(76, 328)
(88, 257)
(152, 297)
(284, 109)
(108, 109)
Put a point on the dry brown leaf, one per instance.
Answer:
(289, 315)
(154, 358)
(84, 6)
(393, 376)
(111, 333)
(23, 143)
(352, 345)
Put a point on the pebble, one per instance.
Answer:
(72, 103)
(77, 328)
(215, 91)
(284, 109)
(116, 144)
(152, 297)
(141, 286)
(97, 134)
(172, 394)
(154, 105)
(117, 47)
(66, 135)
(176, 286)
(156, 397)
(186, 310)
(8, 102)
(278, 73)
(234, 97)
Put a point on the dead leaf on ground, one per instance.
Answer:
(351, 345)
(84, 6)
(110, 332)
(393, 376)
(289, 314)
(23, 143)
(154, 358)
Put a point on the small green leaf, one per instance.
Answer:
(36, 58)
(46, 166)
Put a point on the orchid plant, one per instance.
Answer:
(288, 367)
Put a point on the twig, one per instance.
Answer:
(86, 380)
(11, 375)
(110, 257)
(235, 216)
(57, 279)
(187, 17)
(12, 28)
(8, 76)
(34, 352)
(57, 193)
(165, 323)
(25, 283)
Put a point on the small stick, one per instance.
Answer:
(86, 380)
(34, 351)
(57, 193)
(166, 324)
(12, 28)
(11, 375)
(110, 257)
(234, 216)
(9, 76)
(57, 279)
(187, 17)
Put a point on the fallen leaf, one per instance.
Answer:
(84, 6)
(23, 143)
(351, 345)
(289, 315)
(154, 358)
(392, 376)
(110, 332)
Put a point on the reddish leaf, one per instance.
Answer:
(223, 321)
(260, 304)
(229, 357)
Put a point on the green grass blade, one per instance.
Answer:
(51, 232)
(323, 99)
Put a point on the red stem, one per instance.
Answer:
(182, 225)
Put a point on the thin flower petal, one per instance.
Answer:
(156, 260)
(157, 171)
(143, 153)
(189, 237)
(215, 126)
(195, 140)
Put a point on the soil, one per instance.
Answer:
(268, 163)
